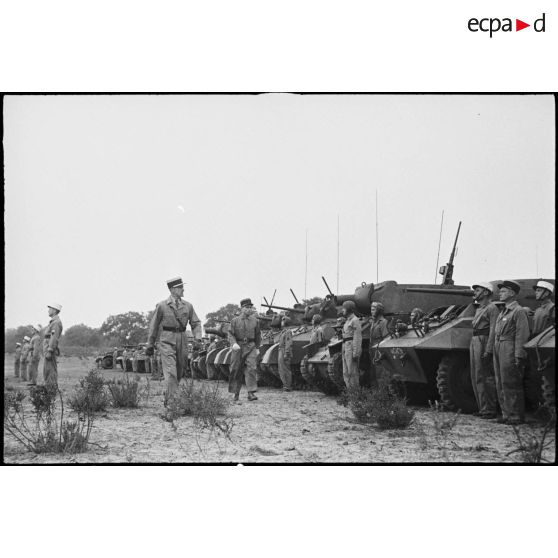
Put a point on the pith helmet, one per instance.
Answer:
(55, 306)
(544, 285)
(515, 287)
(18, 344)
(27, 338)
(488, 286)
(37, 328)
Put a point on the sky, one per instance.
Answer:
(107, 197)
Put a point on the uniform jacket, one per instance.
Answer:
(352, 328)
(378, 329)
(545, 315)
(18, 353)
(512, 325)
(25, 350)
(317, 335)
(286, 341)
(164, 317)
(485, 319)
(52, 334)
(35, 350)
(245, 328)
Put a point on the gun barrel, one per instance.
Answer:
(297, 310)
(464, 292)
(327, 286)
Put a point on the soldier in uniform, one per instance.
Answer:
(285, 353)
(24, 357)
(172, 316)
(114, 357)
(244, 337)
(50, 346)
(512, 332)
(416, 315)
(545, 314)
(481, 351)
(352, 345)
(17, 359)
(35, 355)
(378, 331)
(316, 338)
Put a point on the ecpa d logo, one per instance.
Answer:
(493, 25)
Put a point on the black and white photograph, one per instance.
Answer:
(279, 278)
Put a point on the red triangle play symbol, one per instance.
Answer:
(519, 25)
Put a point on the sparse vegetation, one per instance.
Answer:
(532, 443)
(91, 394)
(125, 392)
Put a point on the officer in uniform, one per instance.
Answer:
(285, 353)
(512, 332)
(245, 338)
(26, 347)
(352, 345)
(316, 339)
(17, 359)
(378, 332)
(50, 346)
(545, 314)
(35, 355)
(172, 316)
(481, 351)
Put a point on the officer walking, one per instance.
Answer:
(24, 358)
(285, 353)
(481, 351)
(245, 338)
(17, 359)
(378, 332)
(172, 316)
(512, 332)
(35, 353)
(50, 346)
(352, 345)
(545, 314)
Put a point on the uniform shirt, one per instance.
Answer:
(164, 317)
(317, 335)
(545, 315)
(18, 353)
(25, 350)
(52, 334)
(286, 341)
(352, 328)
(512, 325)
(485, 319)
(245, 328)
(35, 350)
(378, 329)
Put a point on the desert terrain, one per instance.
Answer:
(296, 427)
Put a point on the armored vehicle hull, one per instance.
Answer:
(541, 351)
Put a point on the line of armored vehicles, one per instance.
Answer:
(426, 356)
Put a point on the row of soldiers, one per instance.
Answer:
(43, 342)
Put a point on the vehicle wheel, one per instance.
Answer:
(549, 394)
(335, 371)
(106, 362)
(454, 384)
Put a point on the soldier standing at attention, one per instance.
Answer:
(35, 355)
(172, 316)
(24, 357)
(481, 351)
(50, 346)
(285, 353)
(352, 345)
(378, 331)
(244, 337)
(17, 359)
(512, 332)
(545, 314)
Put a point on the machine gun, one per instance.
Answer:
(447, 270)
(274, 306)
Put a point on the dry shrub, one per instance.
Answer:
(91, 394)
(533, 442)
(125, 392)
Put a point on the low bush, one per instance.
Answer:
(125, 392)
(91, 394)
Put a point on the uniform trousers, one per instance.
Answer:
(350, 367)
(509, 380)
(482, 376)
(174, 360)
(243, 367)
(285, 373)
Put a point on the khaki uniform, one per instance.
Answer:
(17, 361)
(34, 358)
(482, 367)
(378, 331)
(512, 332)
(545, 316)
(50, 348)
(352, 348)
(285, 354)
(246, 333)
(25, 348)
(170, 319)
(316, 336)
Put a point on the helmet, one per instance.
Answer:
(349, 305)
(316, 319)
(379, 306)
(286, 320)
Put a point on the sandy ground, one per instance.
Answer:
(295, 427)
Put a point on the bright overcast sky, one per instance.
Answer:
(108, 196)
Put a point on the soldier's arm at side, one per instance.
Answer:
(258, 334)
(522, 333)
(55, 336)
(357, 339)
(154, 325)
(232, 338)
(289, 343)
(492, 316)
(195, 324)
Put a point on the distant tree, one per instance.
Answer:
(226, 313)
(130, 328)
(81, 336)
(15, 335)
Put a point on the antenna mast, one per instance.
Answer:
(377, 257)
(306, 265)
(439, 243)
(536, 260)
(337, 290)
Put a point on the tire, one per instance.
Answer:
(453, 380)
(549, 394)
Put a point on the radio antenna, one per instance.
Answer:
(377, 256)
(439, 243)
(337, 290)
(306, 265)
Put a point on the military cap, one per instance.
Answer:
(55, 306)
(245, 302)
(544, 285)
(27, 338)
(488, 286)
(515, 287)
(174, 282)
(37, 328)
(349, 305)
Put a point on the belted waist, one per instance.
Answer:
(47, 336)
(174, 329)
(245, 340)
(345, 339)
(505, 338)
(484, 331)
